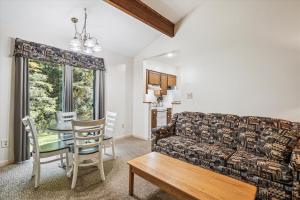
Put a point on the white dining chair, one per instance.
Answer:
(88, 145)
(66, 119)
(43, 151)
(111, 118)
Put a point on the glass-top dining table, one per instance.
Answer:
(65, 133)
(60, 127)
(66, 128)
(63, 130)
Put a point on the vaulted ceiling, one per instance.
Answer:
(49, 20)
(174, 10)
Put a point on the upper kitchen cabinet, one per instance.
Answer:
(171, 80)
(153, 77)
(162, 80)
(163, 84)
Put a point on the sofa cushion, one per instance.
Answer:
(277, 145)
(188, 124)
(248, 141)
(210, 155)
(250, 124)
(228, 137)
(223, 128)
(249, 165)
(173, 144)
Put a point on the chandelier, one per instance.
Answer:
(83, 41)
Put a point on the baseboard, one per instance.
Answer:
(140, 137)
(5, 163)
(122, 136)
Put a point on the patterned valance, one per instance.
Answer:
(55, 55)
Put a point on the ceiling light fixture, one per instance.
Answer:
(170, 55)
(83, 41)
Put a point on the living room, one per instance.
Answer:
(237, 66)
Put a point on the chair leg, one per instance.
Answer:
(71, 164)
(61, 160)
(100, 166)
(37, 173)
(113, 148)
(67, 161)
(33, 168)
(104, 148)
(75, 171)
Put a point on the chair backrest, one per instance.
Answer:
(88, 134)
(66, 117)
(32, 133)
(111, 118)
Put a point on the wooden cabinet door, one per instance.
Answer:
(169, 115)
(153, 118)
(163, 84)
(171, 80)
(153, 78)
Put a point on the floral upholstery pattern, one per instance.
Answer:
(258, 150)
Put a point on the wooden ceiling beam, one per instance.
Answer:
(146, 14)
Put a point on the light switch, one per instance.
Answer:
(189, 95)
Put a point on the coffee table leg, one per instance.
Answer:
(131, 181)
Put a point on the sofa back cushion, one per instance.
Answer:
(224, 128)
(277, 145)
(208, 128)
(189, 124)
(269, 137)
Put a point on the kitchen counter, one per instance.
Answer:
(160, 109)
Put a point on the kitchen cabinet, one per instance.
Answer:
(169, 115)
(153, 118)
(164, 81)
(171, 80)
(163, 84)
(160, 117)
(153, 77)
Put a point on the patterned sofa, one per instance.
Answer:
(258, 150)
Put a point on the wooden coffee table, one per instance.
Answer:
(187, 181)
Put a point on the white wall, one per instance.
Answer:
(240, 57)
(118, 76)
(158, 66)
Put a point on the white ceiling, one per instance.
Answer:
(169, 59)
(49, 20)
(174, 10)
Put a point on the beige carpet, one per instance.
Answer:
(16, 182)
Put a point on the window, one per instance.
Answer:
(45, 96)
(83, 93)
(46, 93)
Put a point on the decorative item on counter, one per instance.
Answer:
(150, 97)
(174, 96)
(153, 87)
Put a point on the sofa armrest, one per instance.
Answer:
(162, 132)
(295, 158)
(295, 165)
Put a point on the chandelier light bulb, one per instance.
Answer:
(83, 41)
(97, 48)
(76, 49)
(75, 42)
(89, 43)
